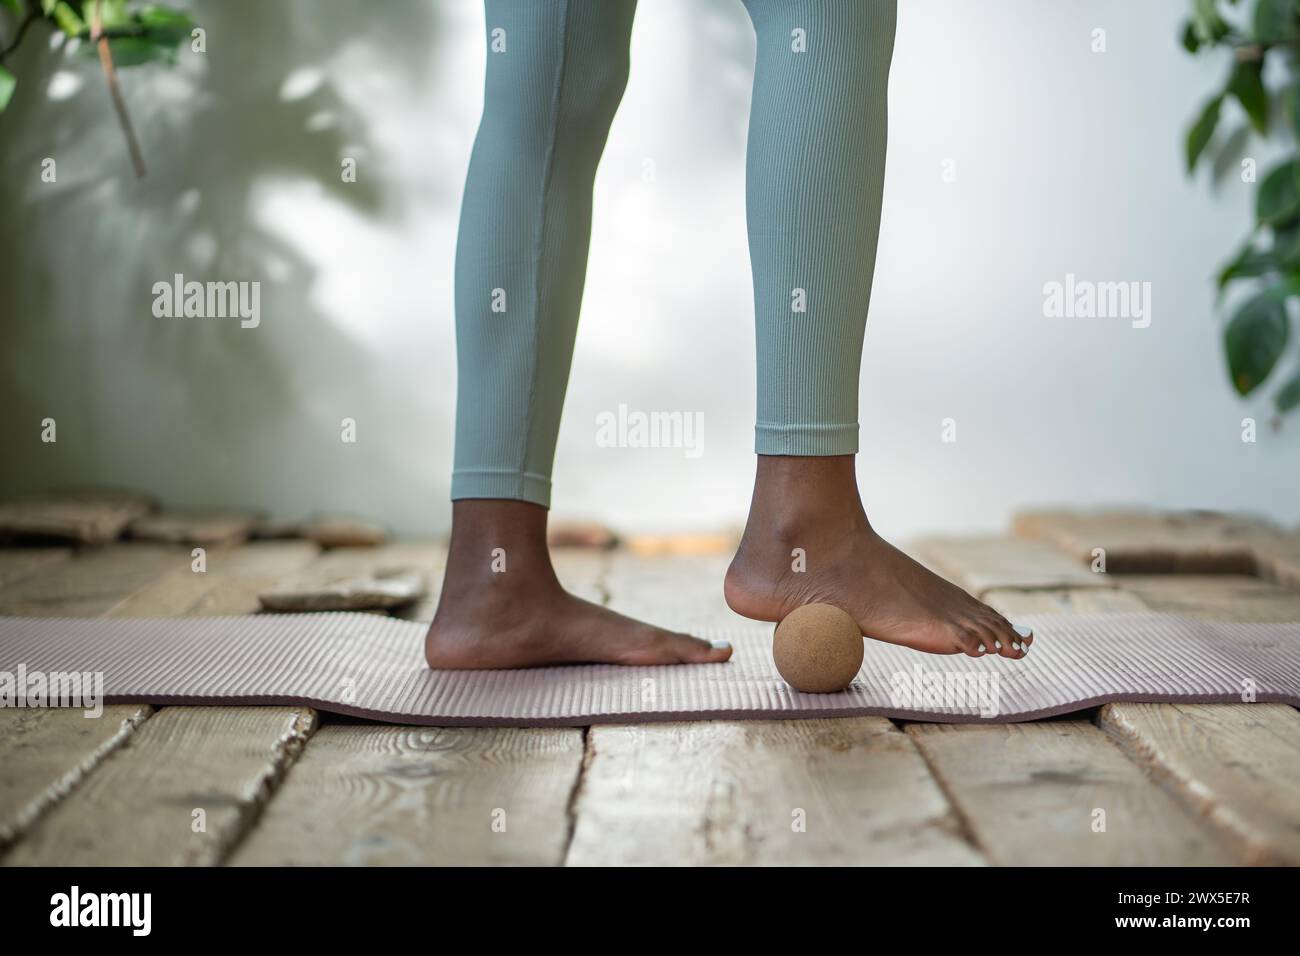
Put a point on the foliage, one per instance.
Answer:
(120, 32)
(1258, 332)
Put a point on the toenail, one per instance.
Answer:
(1022, 630)
(997, 646)
(720, 645)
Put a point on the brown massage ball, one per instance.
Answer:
(818, 648)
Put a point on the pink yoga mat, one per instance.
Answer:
(371, 666)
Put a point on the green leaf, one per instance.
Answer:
(67, 19)
(1288, 396)
(1191, 40)
(112, 13)
(15, 5)
(1255, 338)
(1199, 135)
(1277, 203)
(1229, 154)
(1248, 263)
(1247, 85)
(7, 83)
(164, 25)
(1209, 25)
(1275, 21)
(133, 51)
(1291, 103)
(1286, 248)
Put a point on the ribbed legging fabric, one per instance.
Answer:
(556, 70)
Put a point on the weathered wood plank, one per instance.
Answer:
(1013, 603)
(184, 788)
(1061, 793)
(229, 584)
(52, 751)
(1278, 558)
(683, 545)
(46, 752)
(683, 592)
(1237, 765)
(330, 576)
(19, 563)
(1223, 597)
(562, 534)
(1146, 542)
(93, 581)
(89, 516)
(344, 531)
(209, 529)
(842, 791)
(980, 564)
(371, 795)
(727, 791)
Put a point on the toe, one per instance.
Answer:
(995, 642)
(669, 647)
(1025, 633)
(1016, 637)
(1009, 636)
(971, 641)
(1011, 644)
(697, 650)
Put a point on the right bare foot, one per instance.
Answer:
(810, 507)
(506, 608)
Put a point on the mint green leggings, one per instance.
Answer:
(814, 176)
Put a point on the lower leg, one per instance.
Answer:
(815, 185)
(808, 541)
(502, 604)
(553, 85)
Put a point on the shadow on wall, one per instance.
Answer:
(234, 416)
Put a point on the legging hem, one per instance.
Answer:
(511, 485)
(806, 440)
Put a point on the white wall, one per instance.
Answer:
(1067, 161)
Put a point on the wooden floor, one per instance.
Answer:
(1127, 784)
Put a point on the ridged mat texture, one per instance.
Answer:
(371, 666)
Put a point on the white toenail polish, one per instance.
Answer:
(720, 645)
(1022, 630)
(997, 646)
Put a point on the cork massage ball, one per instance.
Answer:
(818, 648)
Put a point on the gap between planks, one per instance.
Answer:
(1248, 799)
(370, 794)
(139, 580)
(1249, 795)
(848, 790)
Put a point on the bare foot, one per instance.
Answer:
(502, 605)
(808, 541)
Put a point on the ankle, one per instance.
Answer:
(798, 497)
(499, 545)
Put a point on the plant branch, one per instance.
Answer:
(32, 17)
(119, 104)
